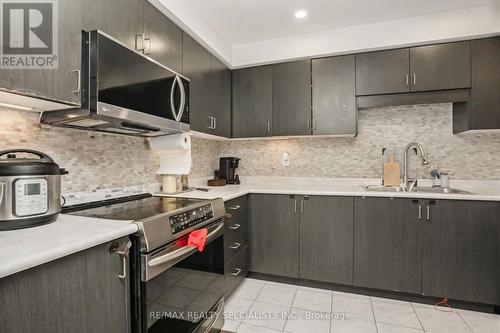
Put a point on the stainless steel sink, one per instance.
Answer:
(421, 189)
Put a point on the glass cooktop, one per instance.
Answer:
(133, 208)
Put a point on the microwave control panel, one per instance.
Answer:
(30, 197)
(190, 218)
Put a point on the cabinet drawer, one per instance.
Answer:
(235, 271)
(234, 240)
(236, 227)
(238, 208)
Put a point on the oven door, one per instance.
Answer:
(181, 288)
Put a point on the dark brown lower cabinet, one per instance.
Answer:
(235, 271)
(387, 244)
(462, 251)
(235, 243)
(326, 236)
(274, 235)
(79, 293)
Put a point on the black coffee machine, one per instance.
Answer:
(227, 169)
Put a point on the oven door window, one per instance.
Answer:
(185, 295)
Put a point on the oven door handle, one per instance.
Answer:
(185, 250)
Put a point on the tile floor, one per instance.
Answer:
(268, 307)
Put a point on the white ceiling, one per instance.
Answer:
(244, 33)
(244, 21)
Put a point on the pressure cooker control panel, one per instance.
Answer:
(190, 218)
(30, 197)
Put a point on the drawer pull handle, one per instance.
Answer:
(228, 216)
(234, 207)
(235, 226)
(235, 246)
(237, 273)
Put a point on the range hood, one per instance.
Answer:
(125, 92)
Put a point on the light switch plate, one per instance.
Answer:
(286, 159)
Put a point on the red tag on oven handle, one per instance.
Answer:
(198, 238)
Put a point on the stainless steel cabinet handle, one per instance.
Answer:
(308, 123)
(140, 37)
(407, 79)
(419, 212)
(147, 46)
(235, 246)
(268, 127)
(215, 122)
(124, 255)
(414, 79)
(78, 81)
(295, 206)
(301, 206)
(210, 123)
(237, 273)
(234, 207)
(235, 226)
(428, 213)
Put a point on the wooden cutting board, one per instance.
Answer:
(392, 172)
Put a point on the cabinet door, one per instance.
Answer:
(220, 102)
(196, 67)
(334, 96)
(274, 235)
(383, 72)
(485, 99)
(442, 66)
(166, 38)
(387, 244)
(326, 239)
(57, 83)
(291, 96)
(462, 251)
(121, 19)
(65, 85)
(80, 293)
(252, 102)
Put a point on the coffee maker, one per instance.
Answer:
(227, 170)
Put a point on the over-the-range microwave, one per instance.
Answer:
(126, 92)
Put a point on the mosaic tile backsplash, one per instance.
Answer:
(465, 156)
(101, 161)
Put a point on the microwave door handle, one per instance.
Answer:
(172, 99)
(183, 99)
(183, 251)
(2, 190)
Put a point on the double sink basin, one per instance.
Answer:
(417, 189)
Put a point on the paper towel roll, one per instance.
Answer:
(175, 153)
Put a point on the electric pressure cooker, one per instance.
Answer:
(30, 189)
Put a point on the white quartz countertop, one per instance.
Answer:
(481, 190)
(27, 248)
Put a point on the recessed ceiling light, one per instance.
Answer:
(300, 14)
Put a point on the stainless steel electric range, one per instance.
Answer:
(174, 287)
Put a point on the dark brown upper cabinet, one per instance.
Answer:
(441, 66)
(291, 98)
(252, 102)
(164, 42)
(219, 107)
(121, 19)
(383, 72)
(196, 67)
(485, 96)
(334, 96)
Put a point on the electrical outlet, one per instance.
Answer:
(286, 159)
